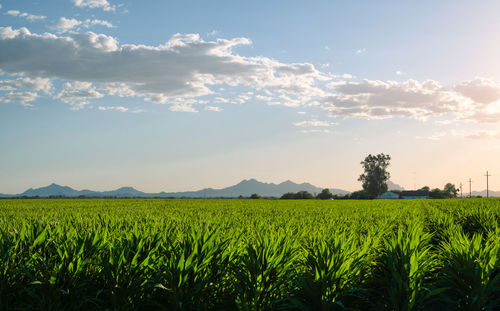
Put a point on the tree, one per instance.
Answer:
(376, 175)
(304, 195)
(255, 196)
(450, 190)
(359, 195)
(325, 194)
(301, 195)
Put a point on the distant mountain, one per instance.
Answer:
(250, 186)
(51, 190)
(244, 188)
(492, 194)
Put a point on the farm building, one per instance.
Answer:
(415, 194)
(388, 195)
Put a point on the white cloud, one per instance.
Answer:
(220, 100)
(93, 4)
(117, 108)
(213, 108)
(312, 123)
(182, 108)
(66, 24)
(78, 94)
(378, 99)
(185, 66)
(480, 90)
(78, 105)
(25, 15)
(34, 84)
(361, 51)
(400, 73)
(23, 98)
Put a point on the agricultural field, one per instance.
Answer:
(143, 254)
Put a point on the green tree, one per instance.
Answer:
(376, 175)
(301, 195)
(304, 195)
(325, 194)
(288, 196)
(450, 190)
(255, 196)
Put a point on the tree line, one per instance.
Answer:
(374, 181)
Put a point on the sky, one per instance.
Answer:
(183, 95)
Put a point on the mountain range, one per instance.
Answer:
(244, 188)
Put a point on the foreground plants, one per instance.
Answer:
(249, 255)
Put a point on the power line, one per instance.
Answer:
(470, 187)
(487, 188)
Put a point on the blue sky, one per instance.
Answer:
(181, 95)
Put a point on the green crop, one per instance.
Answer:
(156, 254)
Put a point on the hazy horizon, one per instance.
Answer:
(177, 96)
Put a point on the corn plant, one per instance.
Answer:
(334, 272)
(263, 272)
(191, 272)
(402, 271)
(127, 270)
(471, 272)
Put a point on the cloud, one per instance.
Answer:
(34, 84)
(66, 24)
(78, 94)
(480, 90)
(373, 99)
(185, 66)
(93, 4)
(23, 98)
(312, 123)
(400, 73)
(29, 17)
(182, 108)
(116, 108)
(78, 105)
(213, 108)
(361, 51)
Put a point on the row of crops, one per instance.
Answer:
(132, 254)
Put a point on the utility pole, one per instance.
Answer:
(487, 188)
(461, 196)
(470, 188)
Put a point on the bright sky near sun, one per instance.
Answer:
(183, 95)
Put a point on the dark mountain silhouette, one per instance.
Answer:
(244, 188)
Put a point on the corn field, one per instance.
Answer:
(156, 254)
